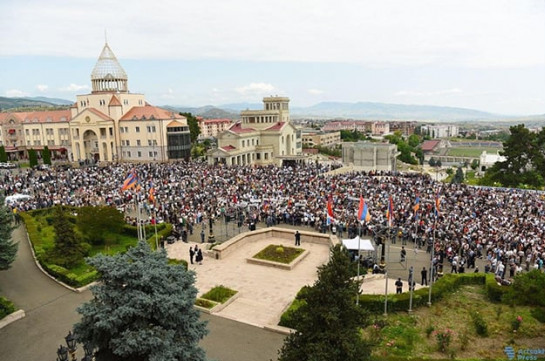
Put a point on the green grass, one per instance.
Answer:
(405, 335)
(6, 307)
(219, 294)
(469, 151)
(281, 254)
(205, 303)
(42, 236)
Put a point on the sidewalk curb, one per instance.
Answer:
(77, 290)
(12, 317)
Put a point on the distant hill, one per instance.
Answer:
(35, 103)
(56, 101)
(385, 111)
(207, 111)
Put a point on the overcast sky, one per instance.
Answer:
(482, 54)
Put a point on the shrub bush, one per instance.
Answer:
(219, 294)
(480, 324)
(6, 307)
(183, 262)
(286, 320)
(527, 289)
(441, 288)
(494, 291)
(538, 313)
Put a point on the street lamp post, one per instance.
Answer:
(63, 351)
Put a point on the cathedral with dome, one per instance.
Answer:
(109, 124)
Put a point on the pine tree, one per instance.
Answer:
(32, 158)
(3, 154)
(8, 249)
(69, 250)
(46, 155)
(142, 309)
(329, 321)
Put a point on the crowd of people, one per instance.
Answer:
(461, 222)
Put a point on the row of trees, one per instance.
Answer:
(32, 156)
(409, 149)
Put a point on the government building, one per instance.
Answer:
(262, 137)
(109, 124)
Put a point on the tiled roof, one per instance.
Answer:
(277, 126)
(429, 145)
(150, 112)
(212, 121)
(237, 128)
(114, 101)
(228, 147)
(99, 113)
(51, 116)
(175, 123)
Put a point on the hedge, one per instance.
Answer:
(494, 291)
(6, 307)
(71, 279)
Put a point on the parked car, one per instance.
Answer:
(7, 165)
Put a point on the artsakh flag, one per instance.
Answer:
(416, 206)
(437, 204)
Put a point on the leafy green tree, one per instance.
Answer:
(414, 140)
(458, 177)
(193, 123)
(523, 166)
(46, 155)
(3, 154)
(142, 309)
(32, 157)
(96, 223)
(69, 249)
(475, 164)
(328, 322)
(432, 162)
(8, 249)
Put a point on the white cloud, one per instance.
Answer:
(256, 89)
(382, 33)
(15, 93)
(74, 88)
(413, 93)
(315, 91)
(42, 87)
(168, 95)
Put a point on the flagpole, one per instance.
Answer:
(432, 270)
(359, 284)
(156, 237)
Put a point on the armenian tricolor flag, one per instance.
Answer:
(363, 211)
(130, 182)
(390, 212)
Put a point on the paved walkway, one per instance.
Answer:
(264, 292)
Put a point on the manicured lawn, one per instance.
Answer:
(281, 254)
(41, 232)
(219, 294)
(204, 303)
(470, 151)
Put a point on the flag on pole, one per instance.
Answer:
(151, 196)
(330, 208)
(437, 204)
(390, 211)
(130, 182)
(363, 211)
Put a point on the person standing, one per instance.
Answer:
(199, 256)
(399, 286)
(191, 254)
(403, 254)
(297, 238)
(424, 274)
(202, 236)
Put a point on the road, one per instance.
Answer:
(51, 311)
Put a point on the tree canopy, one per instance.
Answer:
(328, 322)
(69, 249)
(32, 157)
(46, 155)
(95, 223)
(8, 249)
(524, 166)
(3, 154)
(193, 124)
(142, 309)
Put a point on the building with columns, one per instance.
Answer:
(262, 137)
(109, 124)
(370, 156)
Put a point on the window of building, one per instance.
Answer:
(138, 142)
(137, 129)
(139, 154)
(129, 154)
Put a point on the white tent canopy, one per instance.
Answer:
(354, 243)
